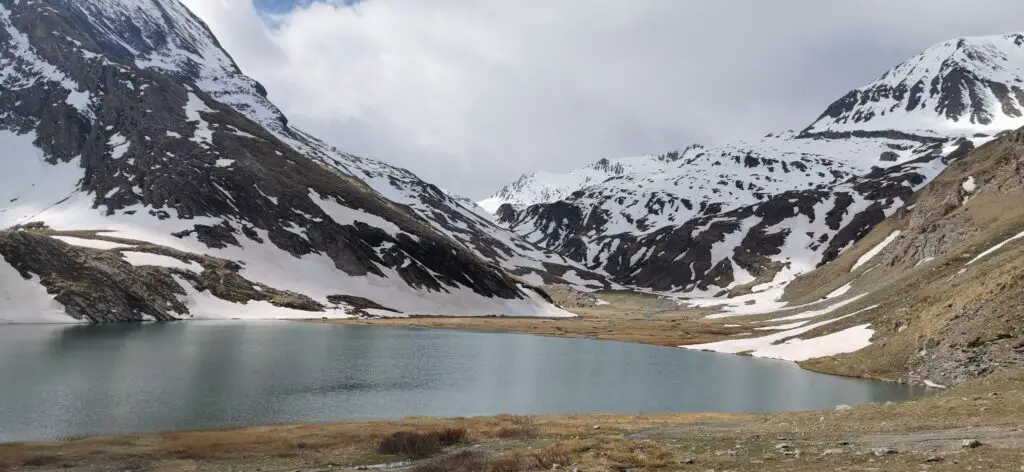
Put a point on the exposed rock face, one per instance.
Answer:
(94, 285)
(128, 116)
(100, 286)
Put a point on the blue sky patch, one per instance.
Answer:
(285, 6)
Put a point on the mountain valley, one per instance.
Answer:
(148, 179)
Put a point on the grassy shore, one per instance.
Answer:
(627, 316)
(926, 434)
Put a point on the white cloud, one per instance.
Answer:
(470, 93)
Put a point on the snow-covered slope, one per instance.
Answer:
(931, 296)
(541, 187)
(956, 88)
(180, 191)
(192, 55)
(751, 215)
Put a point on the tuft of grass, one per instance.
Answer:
(547, 459)
(414, 444)
(409, 444)
(512, 432)
(515, 426)
(640, 455)
(451, 436)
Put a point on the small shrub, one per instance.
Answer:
(451, 436)
(547, 458)
(520, 427)
(415, 444)
(521, 420)
(511, 432)
(409, 444)
(641, 455)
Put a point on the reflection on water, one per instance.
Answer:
(60, 381)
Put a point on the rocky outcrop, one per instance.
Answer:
(100, 286)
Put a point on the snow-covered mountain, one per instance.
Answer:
(957, 88)
(145, 177)
(749, 216)
(541, 187)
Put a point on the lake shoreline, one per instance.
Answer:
(142, 378)
(625, 316)
(979, 426)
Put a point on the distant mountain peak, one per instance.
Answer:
(963, 87)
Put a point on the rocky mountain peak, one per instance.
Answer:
(608, 166)
(962, 87)
(165, 36)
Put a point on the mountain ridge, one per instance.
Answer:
(149, 165)
(849, 167)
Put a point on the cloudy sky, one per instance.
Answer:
(469, 94)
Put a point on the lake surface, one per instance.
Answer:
(68, 381)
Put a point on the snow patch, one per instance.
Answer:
(875, 250)
(930, 384)
(968, 185)
(995, 248)
(840, 291)
(344, 215)
(205, 306)
(118, 145)
(90, 243)
(148, 259)
(203, 133)
(845, 341)
(824, 311)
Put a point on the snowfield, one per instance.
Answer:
(875, 251)
(785, 345)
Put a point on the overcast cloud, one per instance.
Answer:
(471, 93)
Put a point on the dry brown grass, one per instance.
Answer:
(647, 455)
(416, 444)
(514, 426)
